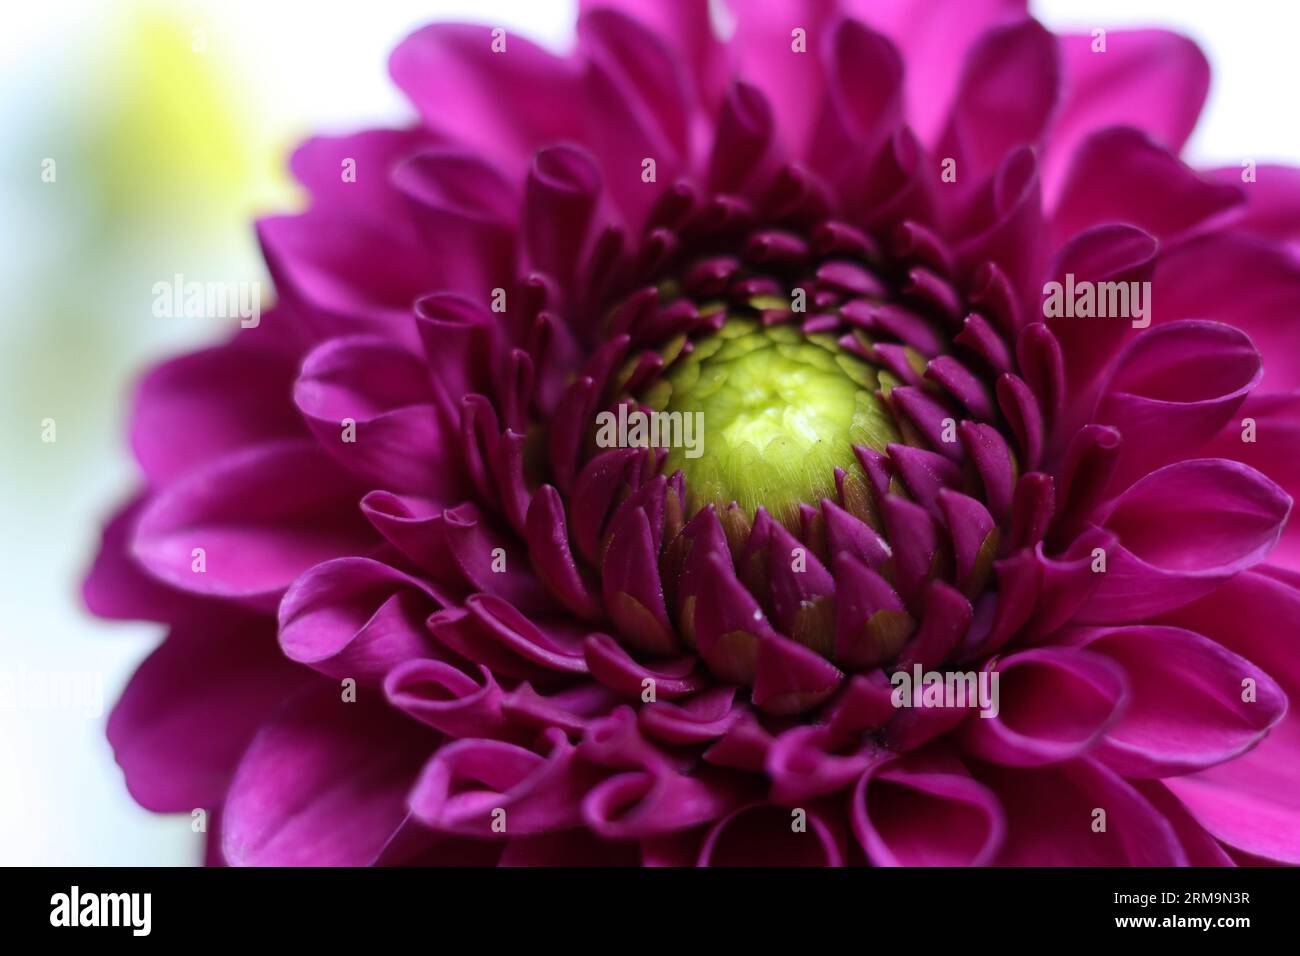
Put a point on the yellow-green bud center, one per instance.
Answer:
(781, 411)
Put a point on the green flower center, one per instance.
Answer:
(780, 411)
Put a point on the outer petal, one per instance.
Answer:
(1108, 253)
(560, 200)
(193, 706)
(186, 413)
(492, 632)
(1183, 530)
(1253, 802)
(504, 105)
(637, 108)
(314, 790)
(1053, 704)
(397, 441)
(345, 274)
(1202, 849)
(116, 587)
(764, 50)
(1009, 231)
(688, 28)
(257, 516)
(1242, 281)
(926, 811)
(762, 835)
(934, 36)
(863, 104)
(1150, 79)
(464, 211)
(1120, 175)
(1172, 389)
(320, 162)
(1272, 202)
(1186, 709)
(1275, 452)
(654, 803)
(1009, 87)
(1132, 832)
(446, 698)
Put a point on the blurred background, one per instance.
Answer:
(168, 124)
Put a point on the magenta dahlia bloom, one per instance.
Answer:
(423, 609)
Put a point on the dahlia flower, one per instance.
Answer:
(418, 614)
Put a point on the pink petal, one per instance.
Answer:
(1054, 704)
(643, 804)
(790, 81)
(1008, 89)
(192, 707)
(637, 108)
(744, 154)
(257, 516)
(560, 201)
(1272, 201)
(467, 784)
(1113, 252)
(1151, 79)
(801, 766)
(354, 617)
(1201, 848)
(1004, 230)
(491, 632)
(1253, 802)
(465, 213)
(934, 37)
(118, 588)
(1119, 174)
(699, 719)
(1185, 709)
(504, 105)
(612, 665)
(1172, 389)
(397, 440)
(863, 102)
(1275, 452)
(345, 274)
(319, 165)
(926, 811)
(1184, 529)
(314, 790)
(187, 415)
(446, 698)
(1135, 833)
(763, 835)
(688, 29)
(1240, 281)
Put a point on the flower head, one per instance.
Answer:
(955, 531)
